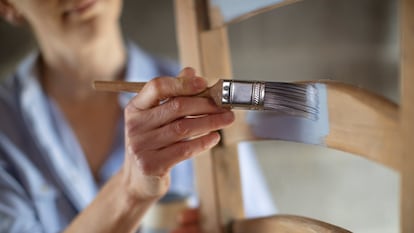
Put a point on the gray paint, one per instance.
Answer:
(271, 125)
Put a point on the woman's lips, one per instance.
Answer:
(81, 7)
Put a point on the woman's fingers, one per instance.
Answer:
(158, 149)
(158, 136)
(173, 109)
(181, 129)
(159, 162)
(163, 88)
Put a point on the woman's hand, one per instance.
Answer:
(158, 136)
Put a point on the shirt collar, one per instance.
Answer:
(40, 123)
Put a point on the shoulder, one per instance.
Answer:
(8, 97)
(11, 88)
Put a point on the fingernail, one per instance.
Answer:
(199, 83)
(228, 116)
(217, 140)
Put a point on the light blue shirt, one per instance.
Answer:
(45, 180)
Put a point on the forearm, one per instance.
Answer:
(115, 209)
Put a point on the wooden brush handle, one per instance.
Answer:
(118, 86)
(213, 92)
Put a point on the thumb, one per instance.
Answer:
(161, 88)
(187, 72)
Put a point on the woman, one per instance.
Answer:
(64, 162)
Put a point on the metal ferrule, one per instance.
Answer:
(243, 94)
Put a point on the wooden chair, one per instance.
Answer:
(385, 130)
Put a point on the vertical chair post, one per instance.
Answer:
(407, 114)
(217, 171)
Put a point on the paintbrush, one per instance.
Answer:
(298, 99)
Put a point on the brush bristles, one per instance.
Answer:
(292, 98)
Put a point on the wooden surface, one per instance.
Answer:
(214, 92)
(118, 86)
(216, 170)
(364, 124)
(230, 202)
(360, 122)
(217, 20)
(284, 224)
(216, 65)
(407, 114)
(188, 30)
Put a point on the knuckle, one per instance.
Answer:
(130, 109)
(176, 105)
(156, 85)
(184, 151)
(179, 128)
(132, 125)
(164, 87)
(137, 145)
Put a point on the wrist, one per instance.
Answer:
(140, 187)
(117, 203)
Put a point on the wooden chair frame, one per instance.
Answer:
(388, 128)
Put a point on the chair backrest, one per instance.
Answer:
(384, 130)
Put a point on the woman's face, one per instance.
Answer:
(68, 18)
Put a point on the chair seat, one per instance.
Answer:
(284, 224)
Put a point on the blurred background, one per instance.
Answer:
(355, 41)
